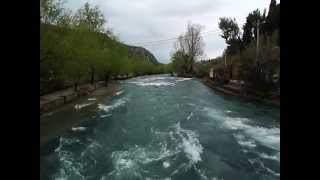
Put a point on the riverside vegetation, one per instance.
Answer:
(76, 48)
(157, 126)
(258, 67)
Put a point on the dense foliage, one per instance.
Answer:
(76, 49)
(256, 59)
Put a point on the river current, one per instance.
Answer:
(162, 127)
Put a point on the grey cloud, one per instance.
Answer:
(182, 9)
(152, 20)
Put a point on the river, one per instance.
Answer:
(162, 127)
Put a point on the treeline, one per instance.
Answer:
(76, 49)
(188, 48)
(253, 54)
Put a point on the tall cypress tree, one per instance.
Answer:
(250, 27)
(273, 18)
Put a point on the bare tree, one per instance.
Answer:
(191, 44)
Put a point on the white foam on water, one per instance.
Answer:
(166, 164)
(66, 141)
(275, 157)
(244, 150)
(91, 149)
(70, 168)
(166, 178)
(78, 129)
(122, 163)
(192, 150)
(182, 79)
(104, 107)
(119, 92)
(153, 83)
(125, 163)
(259, 165)
(190, 115)
(92, 99)
(182, 167)
(272, 172)
(249, 144)
(244, 142)
(105, 115)
(94, 145)
(116, 104)
(269, 137)
(190, 143)
(236, 123)
(131, 160)
(203, 175)
(155, 78)
(215, 178)
(80, 106)
(228, 111)
(103, 178)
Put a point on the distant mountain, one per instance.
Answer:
(140, 51)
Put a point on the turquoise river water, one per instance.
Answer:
(162, 127)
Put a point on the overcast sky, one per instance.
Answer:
(138, 21)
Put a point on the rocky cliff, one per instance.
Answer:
(140, 51)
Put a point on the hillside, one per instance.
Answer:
(72, 56)
(140, 51)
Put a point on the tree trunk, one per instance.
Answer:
(231, 71)
(92, 75)
(106, 79)
(191, 66)
(76, 86)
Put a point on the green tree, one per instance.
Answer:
(250, 27)
(90, 18)
(66, 19)
(51, 11)
(76, 49)
(273, 18)
(179, 62)
(231, 34)
(190, 46)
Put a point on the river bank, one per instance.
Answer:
(235, 91)
(66, 100)
(57, 99)
(54, 100)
